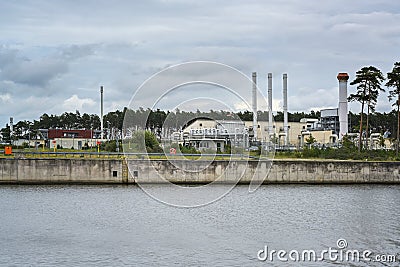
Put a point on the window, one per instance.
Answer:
(70, 135)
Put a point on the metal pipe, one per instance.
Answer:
(11, 126)
(101, 113)
(254, 102)
(285, 110)
(270, 126)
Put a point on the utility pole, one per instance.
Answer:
(101, 113)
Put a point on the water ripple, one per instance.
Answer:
(122, 226)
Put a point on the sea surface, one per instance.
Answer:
(81, 225)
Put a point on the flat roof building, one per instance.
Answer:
(61, 133)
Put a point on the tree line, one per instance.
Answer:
(26, 129)
(378, 122)
(152, 119)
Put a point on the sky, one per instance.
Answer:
(55, 55)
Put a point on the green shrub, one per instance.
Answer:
(346, 152)
(188, 150)
(141, 142)
(311, 152)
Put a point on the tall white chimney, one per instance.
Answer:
(11, 130)
(11, 126)
(101, 112)
(285, 110)
(343, 110)
(254, 102)
(270, 125)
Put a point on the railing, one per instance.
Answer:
(119, 155)
(62, 154)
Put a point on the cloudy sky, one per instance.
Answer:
(54, 55)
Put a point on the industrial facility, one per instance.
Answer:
(208, 134)
(327, 130)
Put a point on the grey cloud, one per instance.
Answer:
(78, 51)
(38, 72)
(34, 72)
(7, 56)
(120, 44)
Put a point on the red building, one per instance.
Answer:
(60, 133)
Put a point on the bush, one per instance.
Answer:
(110, 146)
(227, 149)
(188, 150)
(347, 152)
(25, 145)
(312, 152)
(143, 141)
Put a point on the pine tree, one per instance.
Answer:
(368, 81)
(394, 82)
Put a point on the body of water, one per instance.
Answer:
(122, 226)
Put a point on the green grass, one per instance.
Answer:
(340, 154)
(307, 153)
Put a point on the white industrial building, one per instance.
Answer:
(210, 134)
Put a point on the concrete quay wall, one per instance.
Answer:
(50, 171)
(280, 171)
(181, 171)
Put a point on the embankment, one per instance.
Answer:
(101, 171)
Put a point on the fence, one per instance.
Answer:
(116, 155)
